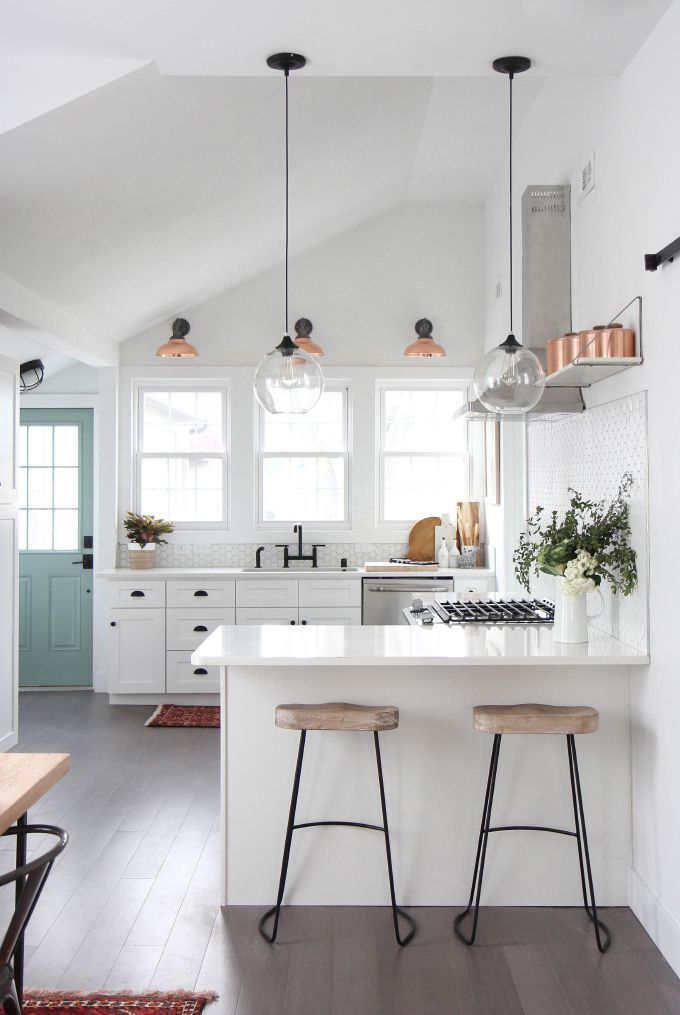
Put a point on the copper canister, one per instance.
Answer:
(588, 342)
(615, 340)
(558, 352)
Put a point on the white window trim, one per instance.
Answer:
(397, 527)
(269, 527)
(139, 388)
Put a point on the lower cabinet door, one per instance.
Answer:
(183, 677)
(266, 615)
(136, 651)
(349, 615)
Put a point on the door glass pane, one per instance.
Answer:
(23, 487)
(40, 488)
(65, 487)
(66, 530)
(66, 445)
(39, 530)
(23, 445)
(40, 445)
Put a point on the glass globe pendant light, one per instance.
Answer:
(287, 379)
(510, 380)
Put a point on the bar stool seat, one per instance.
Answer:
(337, 715)
(565, 719)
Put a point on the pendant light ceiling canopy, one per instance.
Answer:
(288, 379)
(510, 380)
(177, 345)
(303, 329)
(424, 346)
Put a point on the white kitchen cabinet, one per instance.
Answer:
(349, 615)
(480, 586)
(140, 593)
(186, 629)
(196, 594)
(136, 647)
(330, 592)
(280, 592)
(267, 615)
(183, 677)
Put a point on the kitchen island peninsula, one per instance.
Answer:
(435, 764)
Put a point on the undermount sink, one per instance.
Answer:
(294, 571)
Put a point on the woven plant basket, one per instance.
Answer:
(142, 559)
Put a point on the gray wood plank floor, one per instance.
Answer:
(132, 904)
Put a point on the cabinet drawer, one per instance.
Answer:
(195, 594)
(186, 629)
(349, 615)
(329, 592)
(183, 677)
(266, 615)
(138, 593)
(267, 592)
(482, 586)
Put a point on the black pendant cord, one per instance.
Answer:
(286, 174)
(511, 76)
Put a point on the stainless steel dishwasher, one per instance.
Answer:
(384, 599)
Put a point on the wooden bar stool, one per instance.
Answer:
(535, 719)
(336, 716)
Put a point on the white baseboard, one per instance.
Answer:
(164, 699)
(661, 925)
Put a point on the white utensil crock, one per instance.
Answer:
(571, 615)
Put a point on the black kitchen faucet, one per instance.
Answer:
(288, 556)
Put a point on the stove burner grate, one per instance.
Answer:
(499, 611)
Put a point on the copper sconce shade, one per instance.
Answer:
(425, 345)
(177, 345)
(303, 329)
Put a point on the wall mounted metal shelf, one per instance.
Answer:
(584, 371)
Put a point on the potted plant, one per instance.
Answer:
(588, 546)
(144, 533)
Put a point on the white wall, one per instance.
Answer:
(633, 126)
(363, 292)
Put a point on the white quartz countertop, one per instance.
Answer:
(465, 645)
(236, 572)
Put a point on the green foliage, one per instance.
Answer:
(145, 529)
(601, 530)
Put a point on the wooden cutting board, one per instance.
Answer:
(421, 539)
(387, 566)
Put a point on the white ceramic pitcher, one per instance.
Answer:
(571, 615)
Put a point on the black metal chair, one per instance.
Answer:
(29, 880)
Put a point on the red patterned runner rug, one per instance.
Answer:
(65, 1002)
(198, 716)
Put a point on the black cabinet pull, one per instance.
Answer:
(303, 621)
(292, 621)
(137, 594)
(113, 623)
(200, 592)
(200, 672)
(200, 627)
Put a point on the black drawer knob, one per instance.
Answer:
(200, 592)
(137, 594)
(200, 627)
(201, 672)
(303, 621)
(292, 621)
(113, 623)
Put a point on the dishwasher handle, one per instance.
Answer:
(408, 587)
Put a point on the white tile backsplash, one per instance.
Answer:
(590, 453)
(243, 554)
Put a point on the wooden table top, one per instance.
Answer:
(24, 779)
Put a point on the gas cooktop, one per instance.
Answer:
(491, 611)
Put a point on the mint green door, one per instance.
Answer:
(55, 527)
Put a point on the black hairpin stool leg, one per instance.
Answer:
(286, 848)
(396, 911)
(478, 874)
(602, 933)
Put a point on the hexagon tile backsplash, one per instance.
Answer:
(590, 453)
(243, 554)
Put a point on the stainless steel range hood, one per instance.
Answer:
(546, 294)
(553, 402)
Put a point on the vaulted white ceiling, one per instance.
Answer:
(141, 159)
